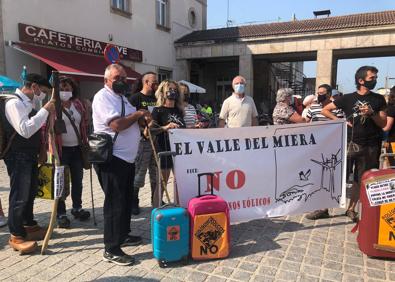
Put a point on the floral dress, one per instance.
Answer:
(281, 113)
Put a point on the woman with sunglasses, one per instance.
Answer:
(168, 114)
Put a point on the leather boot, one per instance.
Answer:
(18, 243)
(35, 232)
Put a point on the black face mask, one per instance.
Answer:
(321, 98)
(371, 84)
(120, 87)
(172, 94)
(154, 87)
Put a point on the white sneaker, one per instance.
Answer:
(3, 221)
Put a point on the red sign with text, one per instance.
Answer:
(60, 40)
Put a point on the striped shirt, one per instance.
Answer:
(190, 116)
(314, 112)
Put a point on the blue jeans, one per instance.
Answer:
(22, 169)
(71, 156)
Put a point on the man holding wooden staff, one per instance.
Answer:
(22, 126)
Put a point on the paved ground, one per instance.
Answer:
(291, 248)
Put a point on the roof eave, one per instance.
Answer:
(286, 36)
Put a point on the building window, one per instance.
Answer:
(192, 17)
(162, 14)
(121, 7)
(164, 74)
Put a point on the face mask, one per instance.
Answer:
(65, 95)
(120, 87)
(371, 84)
(321, 98)
(154, 87)
(40, 97)
(172, 94)
(239, 88)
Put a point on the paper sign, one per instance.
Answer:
(387, 225)
(381, 191)
(59, 181)
(210, 236)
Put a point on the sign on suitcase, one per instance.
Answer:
(210, 236)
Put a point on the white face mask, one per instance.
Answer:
(41, 96)
(65, 95)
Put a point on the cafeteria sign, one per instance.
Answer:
(60, 40)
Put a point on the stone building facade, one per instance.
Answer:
(251, 50)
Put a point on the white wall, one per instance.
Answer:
(93, 19)
(15, 60)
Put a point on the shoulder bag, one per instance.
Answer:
(83, 147)
(101, 144)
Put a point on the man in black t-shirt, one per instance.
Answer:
(365, 112)
(145, 99)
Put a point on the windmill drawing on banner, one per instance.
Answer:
(328, 165)
(306, 184)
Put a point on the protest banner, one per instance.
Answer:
(265, 171)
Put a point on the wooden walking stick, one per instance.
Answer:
(157, 161)
(55, 128)
(93, 203)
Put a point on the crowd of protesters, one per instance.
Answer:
(366, 115)
(139, 125)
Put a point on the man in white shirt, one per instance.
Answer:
(22, 125)
(238, 110)
(116, 177)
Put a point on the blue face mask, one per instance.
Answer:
(239, 88)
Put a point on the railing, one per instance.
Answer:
(287, 76)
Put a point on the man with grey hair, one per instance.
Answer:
(114, 115)
(238, 110)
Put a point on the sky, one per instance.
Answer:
(264, 11)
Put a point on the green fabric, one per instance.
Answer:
(208, 110)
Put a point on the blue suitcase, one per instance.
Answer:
(169, 232)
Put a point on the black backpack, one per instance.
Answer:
(5, 141)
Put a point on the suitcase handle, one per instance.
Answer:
(159, 176)
(208, 197)
(212, 182)
(170, 205)
(166, 154)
